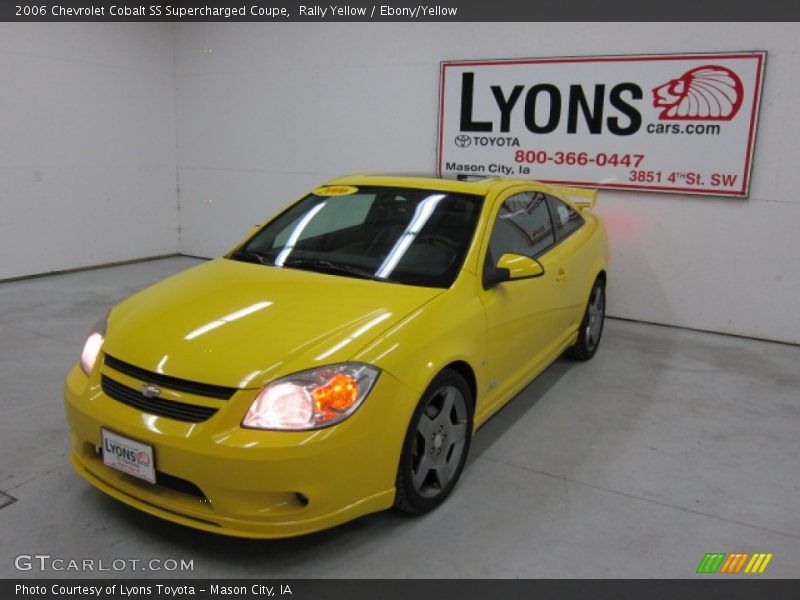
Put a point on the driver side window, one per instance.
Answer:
(522, 226)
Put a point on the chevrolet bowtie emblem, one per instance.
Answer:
(148, 390)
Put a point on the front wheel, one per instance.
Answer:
(436, 444)
(591, 327)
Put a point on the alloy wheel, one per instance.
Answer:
(594, 326)
(440, 440)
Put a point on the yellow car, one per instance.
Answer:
(338, 360)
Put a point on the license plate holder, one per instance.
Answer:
(128, 456)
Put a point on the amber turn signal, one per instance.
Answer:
(339, 394)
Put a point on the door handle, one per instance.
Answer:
(562, 274)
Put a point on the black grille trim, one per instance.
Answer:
(180, 411)
(181, 385)
(177, 484)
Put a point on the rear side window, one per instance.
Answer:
(567, 218)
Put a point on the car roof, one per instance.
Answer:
(480, 186)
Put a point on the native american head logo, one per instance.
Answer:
(142, 458)
(710, 92)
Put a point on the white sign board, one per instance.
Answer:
(669, 123)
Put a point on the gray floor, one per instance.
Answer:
(668, 445)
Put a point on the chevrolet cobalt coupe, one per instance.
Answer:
(338, 360)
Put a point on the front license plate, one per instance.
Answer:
(128, 456)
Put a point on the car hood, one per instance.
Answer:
(240, 324)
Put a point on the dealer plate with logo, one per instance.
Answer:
(129, 456)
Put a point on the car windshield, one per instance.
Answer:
(401, 235)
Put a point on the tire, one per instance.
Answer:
(591, 327)
(436, 444)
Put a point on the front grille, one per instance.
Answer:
(173, 383)
(155, 406)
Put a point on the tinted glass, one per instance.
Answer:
(523, 226)
(567, 218)
(402, 235)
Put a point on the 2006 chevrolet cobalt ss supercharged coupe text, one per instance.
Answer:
(337, 361)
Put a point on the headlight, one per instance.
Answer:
(91, 348)
(312, 399)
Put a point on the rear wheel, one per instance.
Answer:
(436, 444)
(591, 327)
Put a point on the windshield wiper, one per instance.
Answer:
(326, 266)
(250, 256)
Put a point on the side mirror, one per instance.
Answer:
(511, 267)
(493, 276)
(520, 267)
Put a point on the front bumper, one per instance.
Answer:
(219, 477)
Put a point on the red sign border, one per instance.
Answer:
(759, 55)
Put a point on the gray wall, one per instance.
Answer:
(87, 145)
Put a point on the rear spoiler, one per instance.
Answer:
(581, 197)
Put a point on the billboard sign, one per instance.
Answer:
(683, 123)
